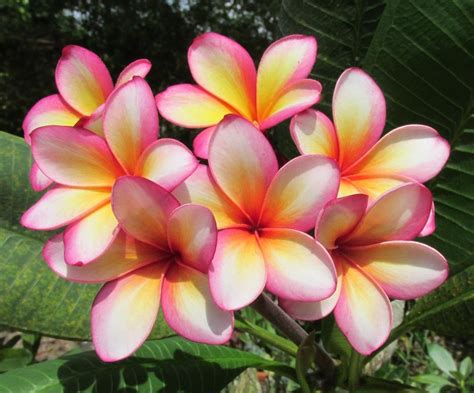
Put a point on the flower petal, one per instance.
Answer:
(190, 106)
(287, 60)
(314, 133)
(405, 270)
(298, 267)
(143, 209)
(312, 311)
(241, 159)
(338, 218)
(124, 255)
(200, 189)
(399, 214)
(430, 225)
(82, 79)
(192, 233)
(189, 309)
(359, 114)
(74, 157)
(363, 312)
(49, 111)
(124, 312)
(237, 273)
(63, 205)
(201, 143)
(94, 122)
(373, 187)
(294, 98)
(298, 192)
(88, 238)
(414, 151)
(38, 180)
(130, 122)
(222, 67)
(167, 162)
(140, 67)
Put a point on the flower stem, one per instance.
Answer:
(288, 326)
(354, 370)
(267, 337)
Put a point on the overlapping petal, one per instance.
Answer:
(373, 187)
(82, 79)
(363, 312)
(404, 269)
(359, 114)
(63, 205)
(314, 133)
(189, 309)
(74, 157)
(192, 233)
(242, 163)
(191, 106)
(285, 61)
(298, 267)
(124, 255)
(130, 122)
(38, 180)
(143, 209)
(88, 238)
(225, 69)
(399, 214)
(140, 67)
(237, 274)
(414, 151)
(50, 110)
(201, 142)
(298, 192)
(200, 188)
(125, 310)
(94, 122)
(166, 162)
(294, 98)
(339, 218)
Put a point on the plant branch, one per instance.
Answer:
(288, 326)
(269, 338)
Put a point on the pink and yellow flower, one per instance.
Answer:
(84, 83)
(85, 166)
(163, 261)
(262, 214)
(375, 259)
(227, 83)
(412, 153)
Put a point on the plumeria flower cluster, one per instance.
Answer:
(332, 230)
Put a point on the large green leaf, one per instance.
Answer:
(168, 365)
(422, 56)
(32, 298)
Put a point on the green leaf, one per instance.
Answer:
(431, 379)
(12, 358)
(422, 56)
(465, 368)
(442, 358)
(343, 29)
(305, 360)
(168, 365)
(34, 299)
(377, 385)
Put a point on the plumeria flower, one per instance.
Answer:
(84, 83)
(164, 262)
(227, 83)
(411, 153)
(262, 214)
(85, 166)
(375, 259)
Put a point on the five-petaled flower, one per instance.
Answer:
(411, 153)
(262, 214)
(375, 259)
(166, 264)
(84, 83)
(229, 84)
(85, 166)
